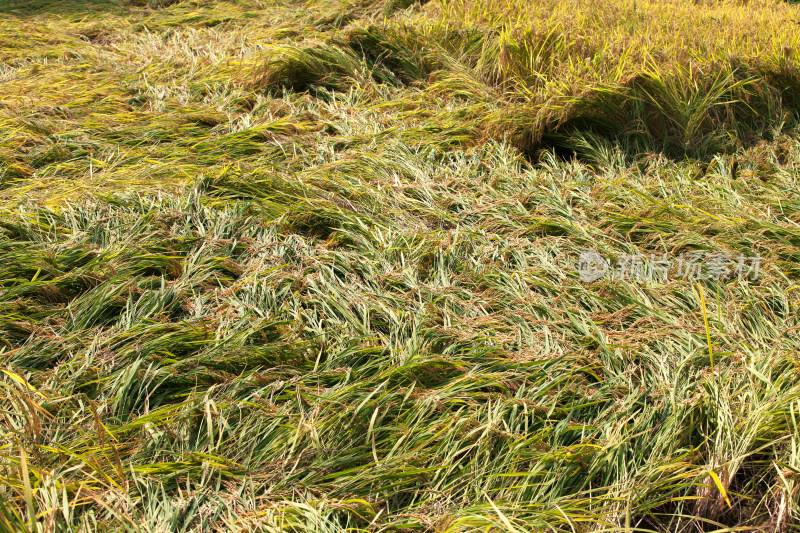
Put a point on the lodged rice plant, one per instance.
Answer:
(399, 266)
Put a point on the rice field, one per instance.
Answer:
(398, 266)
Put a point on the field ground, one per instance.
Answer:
(284, 266)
